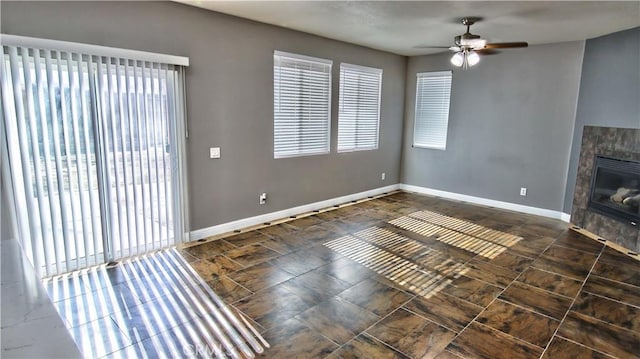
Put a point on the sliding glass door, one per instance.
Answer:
(137, 152)
(91, 155)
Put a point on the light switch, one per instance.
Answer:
(214, 152)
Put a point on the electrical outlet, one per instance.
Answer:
(523, 191)
(383, 176)
(263, 198)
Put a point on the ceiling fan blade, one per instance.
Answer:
(486, 51)
(505, 45)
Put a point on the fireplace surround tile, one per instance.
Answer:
(622, 143)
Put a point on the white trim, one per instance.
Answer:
(487, 202)
(268, 217)
(89, 49)
(291, 55)
(439, 148)
(371, 70)
(434, 74)
(273, 216)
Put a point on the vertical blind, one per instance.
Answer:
(359, 107)
(433, 93)
(301, 105)
(91, 152)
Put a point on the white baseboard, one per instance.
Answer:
(488, 202)
(564, 217)
(268, 217)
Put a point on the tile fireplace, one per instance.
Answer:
(606, 201)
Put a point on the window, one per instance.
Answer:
(301, 105)
(359, 109)
(433, 92)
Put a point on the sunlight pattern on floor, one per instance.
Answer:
(470, 228)
(472, 237)
(400, 269)
(150, 306)
(411, 250)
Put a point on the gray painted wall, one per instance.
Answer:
(510, 124)
(609, 92)
(230, 99)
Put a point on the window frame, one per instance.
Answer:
(416, 120)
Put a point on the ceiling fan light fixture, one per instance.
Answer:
(457, 59)
(465, 58)
(473, 58)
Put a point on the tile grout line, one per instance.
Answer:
(411, 294)
(269, 261)
(582, 345)
(414, 296)
(496, 298)
(546, 290)
(432, 321)
(304, 323)
(239, 285)
(320, 302)
(548, 271)
(611, 299)
(374, 324)
(383, 343)
(607, 323)
(529, 309)
(232, 260)
(580, 250)
(509, 335)
(573, 301)
(617, 281)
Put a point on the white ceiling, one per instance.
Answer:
(400, 26)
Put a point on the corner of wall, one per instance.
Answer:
(570, 182)
(401, 176)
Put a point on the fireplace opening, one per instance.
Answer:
(615, 189)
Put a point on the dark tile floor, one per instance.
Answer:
(406, 275)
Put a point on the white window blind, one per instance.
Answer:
(301, 105)
(359, 108)
(91, 148)
(433, 93)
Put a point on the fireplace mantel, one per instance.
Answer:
(620, 143)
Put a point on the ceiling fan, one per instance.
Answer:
(468, 47)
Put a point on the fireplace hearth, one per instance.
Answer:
(615, 189)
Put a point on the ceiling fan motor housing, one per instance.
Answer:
(470, 40)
